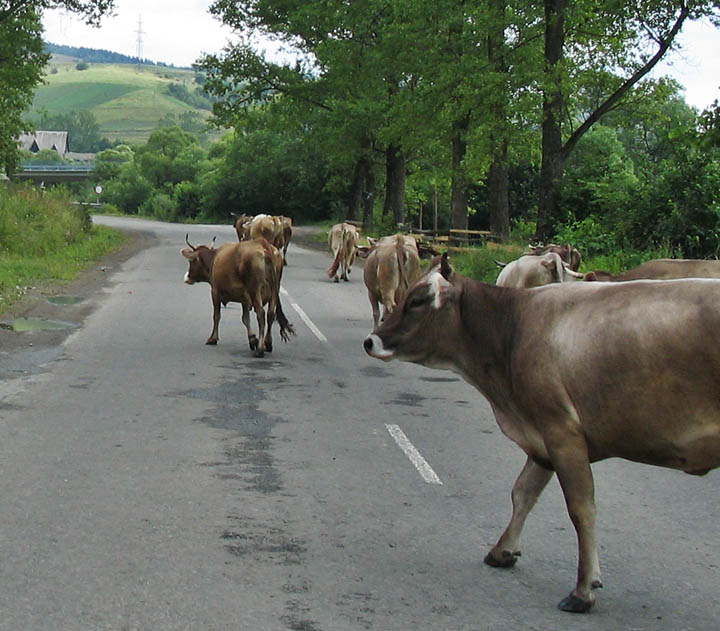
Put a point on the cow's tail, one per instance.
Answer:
(403, 283)
(286, 328)
(336, 264)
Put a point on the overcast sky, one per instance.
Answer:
(179, 31)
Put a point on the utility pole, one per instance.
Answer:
(139, 43)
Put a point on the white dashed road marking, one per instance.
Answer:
(304, 316)
(414, 455)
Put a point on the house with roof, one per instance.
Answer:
(54, 140)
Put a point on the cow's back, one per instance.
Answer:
(636, 364)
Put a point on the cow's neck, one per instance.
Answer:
(488, 318)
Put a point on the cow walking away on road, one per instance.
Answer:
(662, 269)
(248, 272)
(343, 240)
(575, 373)
(275, 229)
(392, 266)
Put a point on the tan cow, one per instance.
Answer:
(662, 269)
(391, 267)
(575, 373)
(536, 270)
(248, 272)
(571, 255)
(343, 240)
(268, 227)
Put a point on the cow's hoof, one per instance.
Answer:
(253, 342)
(336, 280)
(508, 559)
(574, 604)
(211, 342)
(259, 353)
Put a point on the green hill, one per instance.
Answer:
(127, 100)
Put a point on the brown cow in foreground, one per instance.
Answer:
(662, 269)
(392, 266)
(343, 240)
(248, 272)
(575, 373)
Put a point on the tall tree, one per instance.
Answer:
(22, 59)
(589, 38)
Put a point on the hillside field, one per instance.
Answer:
(127, 100)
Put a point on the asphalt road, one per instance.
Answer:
(151, 482)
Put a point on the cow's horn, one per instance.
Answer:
(192, 247)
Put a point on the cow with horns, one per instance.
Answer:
(248, 272)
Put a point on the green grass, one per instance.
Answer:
(127, 100)
(44, 240)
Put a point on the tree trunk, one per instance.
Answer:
(498, 197)
(357, 186)
(498, 176)
(553, 159)
(395, 184)
(459, 201)
(369, 199)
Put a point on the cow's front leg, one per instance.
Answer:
(213, 339)
(252, 338)
(569, 455)
(527, 488)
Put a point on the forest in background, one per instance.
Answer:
(539, 121)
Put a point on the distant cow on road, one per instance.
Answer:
(343, 240)
(248, 272)
(391, 267)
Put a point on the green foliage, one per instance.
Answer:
(589, 235)
(45, 238)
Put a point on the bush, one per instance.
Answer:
(34, 223)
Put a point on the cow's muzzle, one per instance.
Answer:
(374, 347)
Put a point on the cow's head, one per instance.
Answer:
(201, 258)
(422, 326)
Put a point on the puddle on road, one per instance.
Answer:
(65, 300)
(38, 324)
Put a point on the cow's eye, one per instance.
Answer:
(416, 300)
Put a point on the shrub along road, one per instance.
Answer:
(152, 482)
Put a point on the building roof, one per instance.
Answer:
(55, 140)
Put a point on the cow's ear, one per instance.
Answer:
(188, 253)
(445, 268)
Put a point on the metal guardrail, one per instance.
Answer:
(57, 168)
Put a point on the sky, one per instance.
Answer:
(179, 31)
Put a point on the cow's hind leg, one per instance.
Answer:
(270, 319)
(252, 338)
(530, 483)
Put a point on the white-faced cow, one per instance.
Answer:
(575, 373)
(391, 267)
(662, 269)
(343, 240)
(536, 270)
(248, 272)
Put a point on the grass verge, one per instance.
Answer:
(45, 240)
